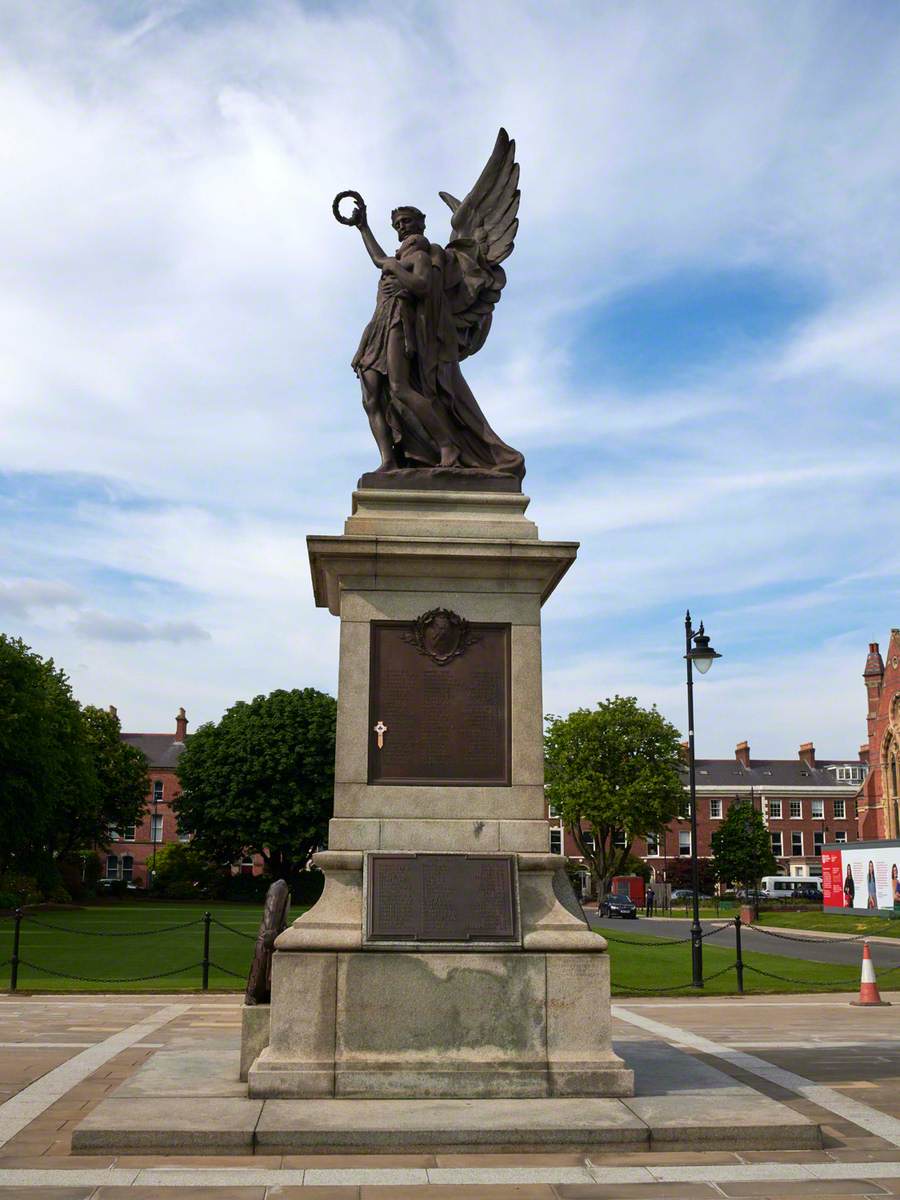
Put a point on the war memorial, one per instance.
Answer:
(446, 991)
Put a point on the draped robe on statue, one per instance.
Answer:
(438, 332)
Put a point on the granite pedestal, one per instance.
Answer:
(528, 1015)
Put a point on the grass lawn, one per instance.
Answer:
(836, 923)
(663, 966)
(73, 947)
(109, 963)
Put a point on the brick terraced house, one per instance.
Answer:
(805, 803)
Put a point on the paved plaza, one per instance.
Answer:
(838, 1065)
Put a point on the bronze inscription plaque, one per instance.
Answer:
(441, 898)
(439, 718)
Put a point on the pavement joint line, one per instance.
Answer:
(21, 1109)
(231, 1177)
(881, 1124)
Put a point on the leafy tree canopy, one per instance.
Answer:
(65, 775)
(742, 847)
(616, 768)
(261, 780)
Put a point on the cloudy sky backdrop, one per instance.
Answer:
(698, 350)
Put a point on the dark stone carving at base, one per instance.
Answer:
(440, 479)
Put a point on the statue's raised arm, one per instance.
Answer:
(433, 309)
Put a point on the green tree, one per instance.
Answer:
(615, 768)
(43, 757)
(119, 793)
(65, 774)
(261, 781)
(742, 847)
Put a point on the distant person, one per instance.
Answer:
(895, 886)
(651, 900)
(872, 901)
(849, 889)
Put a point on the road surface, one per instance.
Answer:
(834, 950)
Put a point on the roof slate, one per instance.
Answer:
(773, 772)
(161, 749)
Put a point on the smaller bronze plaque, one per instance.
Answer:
(441, 898)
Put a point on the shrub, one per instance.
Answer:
(18, 890)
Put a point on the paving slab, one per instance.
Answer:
(208, 1126)
(199, 1072)
(733, 1118)
(438, 1125)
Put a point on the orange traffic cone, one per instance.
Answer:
(868, 989)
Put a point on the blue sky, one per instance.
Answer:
(697, 350)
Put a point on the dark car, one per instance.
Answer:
(618, 906)
(809, 891)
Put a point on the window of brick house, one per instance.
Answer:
(113, 833)
(796, 809)
(127, 868)
(840, 836)
(128, 833)
(797, 843)
(618, 839)
(775, 809)
(818, 810)
(156, 828)
(652, 844)
(777, 848)
(715, 809)
(684, 843)
(112, 866)
(840, 809)
(157, 791)
(818, 842)
(587, 836)
(556, 841)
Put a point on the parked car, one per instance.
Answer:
(680, 895)
(809, 891)
(615, 905)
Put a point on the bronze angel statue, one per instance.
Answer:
(433, 309)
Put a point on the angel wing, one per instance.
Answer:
(484, 228)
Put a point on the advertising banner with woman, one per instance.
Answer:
(862, 876)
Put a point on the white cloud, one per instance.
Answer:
(179, 309)
(21, 597)
(98, 626)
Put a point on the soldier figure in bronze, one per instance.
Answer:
(433, 309)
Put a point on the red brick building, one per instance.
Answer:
(805, 802)
(130, 857)
(879, 796)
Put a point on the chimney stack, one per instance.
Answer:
(742, 754)
(181, 723)
(864, 753)
(808, 755)
(114, 712)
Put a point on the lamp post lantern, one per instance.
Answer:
(697, 651)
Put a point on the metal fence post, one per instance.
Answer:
(14, 960)
(738, 961)
(207, 918)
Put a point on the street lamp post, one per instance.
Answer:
(703, 655)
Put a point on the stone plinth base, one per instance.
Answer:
(185, 1100)
(254, 1034)
(436, 1024)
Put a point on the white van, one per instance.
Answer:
(782, 887)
